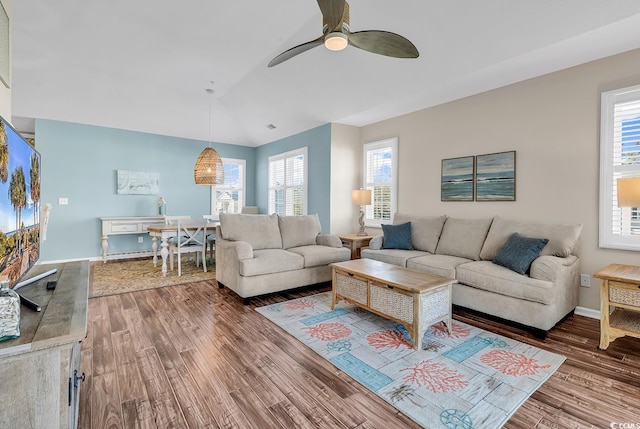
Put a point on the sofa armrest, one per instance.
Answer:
(551, 268)
(376, 242)
(328, 240)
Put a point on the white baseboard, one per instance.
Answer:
(114, 256)
(588, 312)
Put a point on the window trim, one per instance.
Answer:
(393, 144)
(214, 189)
(304, 151)
(607, 239)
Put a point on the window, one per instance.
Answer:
(288, 183)
(380, 175)
(619, 158)
(230, 196)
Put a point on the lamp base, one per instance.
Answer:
(362, 231)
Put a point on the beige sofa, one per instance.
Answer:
(465, 248)
(258, 254)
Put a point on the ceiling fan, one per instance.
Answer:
(336, 35)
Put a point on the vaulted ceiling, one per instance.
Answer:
(144, 65)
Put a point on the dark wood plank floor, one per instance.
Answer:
(193, 356)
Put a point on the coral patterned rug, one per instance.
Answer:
(469, 379)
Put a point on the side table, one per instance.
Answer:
(355, 242)
(620, 289)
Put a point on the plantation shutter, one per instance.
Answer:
(620, 158)
(379, 177)
(288, 183)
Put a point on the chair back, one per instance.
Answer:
(250, 210)
(191, 234)
(172, 220)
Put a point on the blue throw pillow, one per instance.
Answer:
(518, 252)
(397, 236)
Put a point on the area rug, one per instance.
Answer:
(117, 277)
(469, 379)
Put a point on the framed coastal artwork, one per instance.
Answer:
(496, 177)
(137, 183)
(457, 179)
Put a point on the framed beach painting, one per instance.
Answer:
(457, 179)
(496, 177)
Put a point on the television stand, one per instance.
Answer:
(26, 301)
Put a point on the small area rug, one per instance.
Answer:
(117, 277)
(469, 379)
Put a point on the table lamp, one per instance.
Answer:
(629, 192)
(361, 197)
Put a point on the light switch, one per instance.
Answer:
(63, 201)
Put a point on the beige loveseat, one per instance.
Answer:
(258, 254)
(465, 248)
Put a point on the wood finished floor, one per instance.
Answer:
(193, 356)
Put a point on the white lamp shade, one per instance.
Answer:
(629, 192)
(361, 197)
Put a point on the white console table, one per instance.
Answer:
(125, 225)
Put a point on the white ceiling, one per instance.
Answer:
(144, 65)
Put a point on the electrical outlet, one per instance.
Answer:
(63, 201)
(140, 239)
(585, 280)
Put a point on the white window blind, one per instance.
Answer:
(380, 176)
(230, 196)
(619, 158)
(288, 183)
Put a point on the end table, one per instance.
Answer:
(620, 289)
(355, 242)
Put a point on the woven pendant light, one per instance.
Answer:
(209, 170)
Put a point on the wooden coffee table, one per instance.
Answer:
(416, 300)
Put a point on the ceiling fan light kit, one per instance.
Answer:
(336, 41)
(337, 35)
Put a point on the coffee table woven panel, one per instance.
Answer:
(391, 302)
(435, 306)
(351, 287)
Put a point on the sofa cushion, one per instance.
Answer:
(299, 230)
(315, 256)
(391, 256)
(463, 237)
(495, 278)
(563, 239)
(518, 252)
(440, 265)
(268, 261)
(425, 230)
(397, 236)
(260, 231)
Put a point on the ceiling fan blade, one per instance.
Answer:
(332, 11)
(383, 43)
(290, 53)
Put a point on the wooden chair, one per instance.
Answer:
(172, 220)
(190, 238)
(211, 237)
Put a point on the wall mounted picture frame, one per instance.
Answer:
(137, 183)
(5, 66)
(495, 177)
(457, 182)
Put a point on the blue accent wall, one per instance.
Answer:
(318, 142)
(80, 162)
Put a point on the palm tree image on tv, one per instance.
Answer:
(19, 198)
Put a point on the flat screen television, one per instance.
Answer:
(19, 205)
